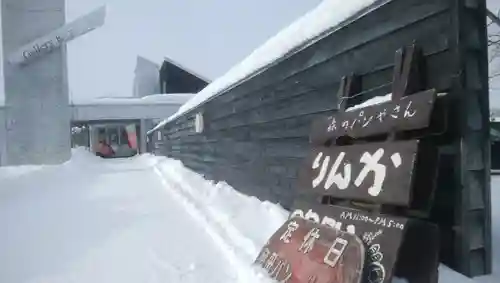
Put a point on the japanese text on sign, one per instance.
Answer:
(409, 113)
(342, 181)
(332, 256)
(363, 121)
(380, 233)
(381, 171)
(303, 251)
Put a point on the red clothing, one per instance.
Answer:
(105, 149)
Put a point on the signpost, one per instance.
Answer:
(370, 188)
(58, 37)
(37, 117)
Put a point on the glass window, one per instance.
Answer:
(114, 137)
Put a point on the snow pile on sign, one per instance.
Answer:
(326, 15)
(372, 101)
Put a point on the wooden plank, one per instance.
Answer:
(409, 113)
(349, 86)
(418, 258)
(303, 251)
(382, 234)
(375, 172)
(409, 72)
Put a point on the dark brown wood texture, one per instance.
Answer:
(408, 113)
(375, 172)
(382, 234)
(302, 251)
(257, 132)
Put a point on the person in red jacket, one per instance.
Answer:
(104, 149)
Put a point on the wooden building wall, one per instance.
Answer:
(256, 133)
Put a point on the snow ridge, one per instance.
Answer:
(222, 231)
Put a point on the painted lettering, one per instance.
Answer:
(309, 240)
(335, 252)
(287, 235)
(342, 180)
(313, 216)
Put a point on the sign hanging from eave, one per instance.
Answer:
(58, 37)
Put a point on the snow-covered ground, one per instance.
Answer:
(143, 219)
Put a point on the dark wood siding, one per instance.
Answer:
(256, 133)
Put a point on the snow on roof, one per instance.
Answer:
(163, 98)
(317, 23)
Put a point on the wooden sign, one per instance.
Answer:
(408, 113)
(382, 234)
(302, 251)
(396, 175)
(374, 172)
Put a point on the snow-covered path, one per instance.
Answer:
(144, 219)
(112, 221)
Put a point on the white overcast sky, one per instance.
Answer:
(494, 6)
(207, 36)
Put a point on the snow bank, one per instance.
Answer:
(316, 22)
(238, 224)
(17, 171)
(246, 219)
(79, 155)
(250, 222)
